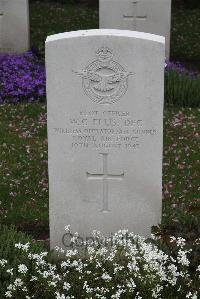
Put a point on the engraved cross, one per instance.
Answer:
(105, 176)
(134, 17)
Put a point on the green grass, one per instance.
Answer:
(181, 166)
(24, 178)
(48, 18)
(23, 166)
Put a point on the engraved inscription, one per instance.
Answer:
(105, 130)
(104, 80)
(134, 17)
(105, 176)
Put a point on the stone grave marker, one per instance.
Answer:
(105, 131)
(14, 26)
(152, 16)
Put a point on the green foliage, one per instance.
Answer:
(190, 4)
(47, 18)
(181, 89)
(185, 34)
(9, 236)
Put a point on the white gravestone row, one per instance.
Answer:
(14, 26)
(152, 16)
(105, 128)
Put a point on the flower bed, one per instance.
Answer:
(22, 78)
(125, 266)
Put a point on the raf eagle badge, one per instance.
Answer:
(104, 80)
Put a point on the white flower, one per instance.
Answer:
(132, 266)
(18, 282)
(52, 283)
(174, 273)
(45, 274)
(10, 271)
(22, 269)
(138, 296)
(126, 253)
(180, 242)
(188, 295)
(117, 268)
(8, 294)
(131, 285)
(24, 247)
(117, 295)
(192, 296)
(3, 262)
(106, 277)
(87, 288)
(197, 241)
(65, 264)
(156, 292)
(33, 278)
(60, 296)
(182, 258)
(66, 286)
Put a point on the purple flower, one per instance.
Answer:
(179, 68)
(22, 78)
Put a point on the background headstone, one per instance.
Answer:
(14, 26)
(105, 130)
(152, 16)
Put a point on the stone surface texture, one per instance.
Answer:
(105, 131)
(152, 16)
(14, 26)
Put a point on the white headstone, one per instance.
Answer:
(152, 16)
(14, 26)
(105, 130)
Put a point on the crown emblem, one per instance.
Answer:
(104, 54)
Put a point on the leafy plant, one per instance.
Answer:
(9, 236)
(182, 88)
(123, 266)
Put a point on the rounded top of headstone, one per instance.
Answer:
(106, 32)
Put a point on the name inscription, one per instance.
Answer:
(105, 130)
